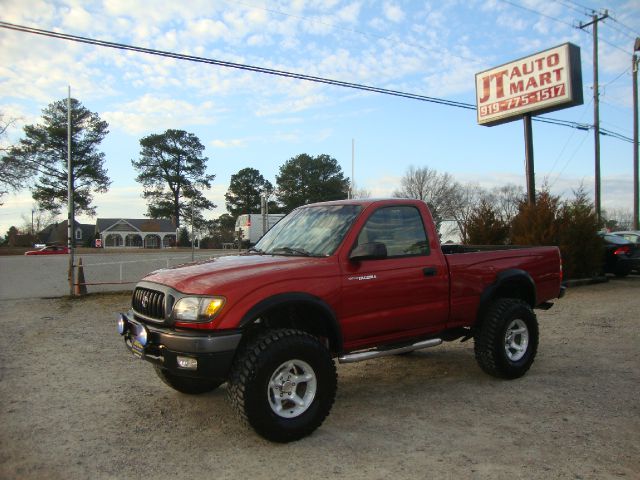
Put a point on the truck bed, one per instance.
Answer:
(474, 268)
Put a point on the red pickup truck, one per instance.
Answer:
(348, 280)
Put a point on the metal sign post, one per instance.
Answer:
(528, 155)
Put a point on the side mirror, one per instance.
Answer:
(369, 251)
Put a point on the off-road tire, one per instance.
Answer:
(257, 374)
(191, 386)
(500, 350)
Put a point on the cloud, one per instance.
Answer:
(151, 112)
(393, 12)
(231, 143)
(349, 13)
(293, 105)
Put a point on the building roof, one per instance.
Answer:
(57, 232)
(136, 225)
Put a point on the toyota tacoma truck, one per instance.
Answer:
(348, 280)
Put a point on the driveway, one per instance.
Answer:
(74, 404)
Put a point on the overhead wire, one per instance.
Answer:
(571, 6)
(635, 32)
(537, 12)
(279, 73)
(585, 112)
(239, 66)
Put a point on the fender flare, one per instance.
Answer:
(303, 298)
(512, 276)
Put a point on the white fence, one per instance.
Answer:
(46, 276)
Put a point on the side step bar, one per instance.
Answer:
(369, 354)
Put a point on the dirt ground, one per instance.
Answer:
(74, 404)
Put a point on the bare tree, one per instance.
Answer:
(467, 199)
(618, 219)
(360, 192)
(39, 220)
(506, 200)
(13, 174)
(438, 190)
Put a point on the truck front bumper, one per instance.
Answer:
(186, 353)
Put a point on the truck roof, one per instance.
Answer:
(365, 202)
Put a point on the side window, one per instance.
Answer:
(400, 229)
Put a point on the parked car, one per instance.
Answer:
(634, 237)
(620, 255)
(49, 250)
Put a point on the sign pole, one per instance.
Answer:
(528, 155)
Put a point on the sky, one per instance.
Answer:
(248, 119)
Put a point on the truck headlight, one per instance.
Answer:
(197, 309)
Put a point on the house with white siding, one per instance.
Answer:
(136, 232)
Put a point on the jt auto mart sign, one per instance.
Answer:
(541, 83)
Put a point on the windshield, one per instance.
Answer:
(309, 231)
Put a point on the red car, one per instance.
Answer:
(49, 250)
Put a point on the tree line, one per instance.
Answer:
(171, 167)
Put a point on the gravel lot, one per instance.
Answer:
(75, 404)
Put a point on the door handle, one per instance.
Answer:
(429, 271)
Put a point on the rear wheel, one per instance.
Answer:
(507, 340)
(283, 384)
(187, 385)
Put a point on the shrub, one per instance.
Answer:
(571, 225)
(484, 226)
(579, 243)
(537, 224)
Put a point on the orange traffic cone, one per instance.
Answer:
(81, 288)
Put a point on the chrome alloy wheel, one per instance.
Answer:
(516, 340)
(292, 388)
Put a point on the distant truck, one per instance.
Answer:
(348, 280)
(252, 226)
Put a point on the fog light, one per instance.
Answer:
(142, 335)
(187, 363)
(122, 325)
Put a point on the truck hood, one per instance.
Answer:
(229, 272)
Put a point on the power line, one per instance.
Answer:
(615, 79)
(239, 66)
(619, 30)
(553, 166)
(555, 19)
(270, 71)
(634, 32)
(589, 9)
(571, 6)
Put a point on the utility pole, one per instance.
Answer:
(353, 160)
(596, 104)
(634, 68)
(70, 206)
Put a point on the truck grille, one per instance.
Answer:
(149, 303)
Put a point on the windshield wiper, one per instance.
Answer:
(291, 251)
(255, 250)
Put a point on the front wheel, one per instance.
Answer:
(283, 384)
(507, 340)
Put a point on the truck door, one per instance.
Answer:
(403, 294)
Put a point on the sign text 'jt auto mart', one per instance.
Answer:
(543, 82)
